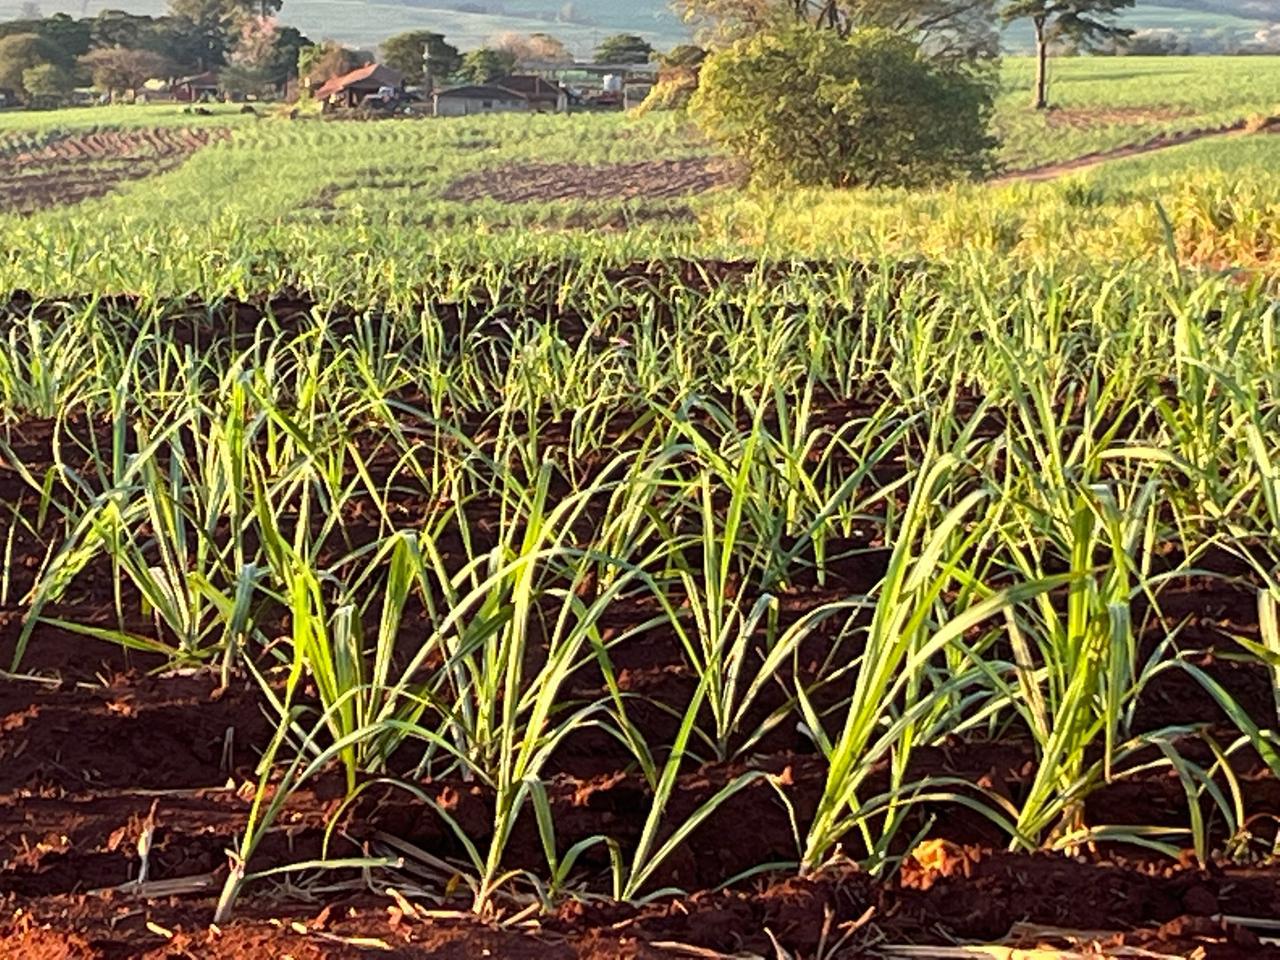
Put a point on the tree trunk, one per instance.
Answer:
(1042, 66)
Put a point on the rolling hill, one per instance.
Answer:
(467, 23)
(582, 23)
(1217, 22)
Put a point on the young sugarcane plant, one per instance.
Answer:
(275, 788)
(735, 643)
(507, 718)
(631, 875)
(484, 689)
(1078, 672)
(1262, 736)
(901, 693)
(133, 513)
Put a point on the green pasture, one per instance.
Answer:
(347, 205)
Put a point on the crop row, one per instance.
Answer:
(435, 535)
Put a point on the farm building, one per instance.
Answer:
(527, 94)
(350, 89)
(635, 92)
(540, 94)
(202, 86)
(601, 85)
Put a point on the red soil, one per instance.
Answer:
(107, 750)
(78, 167)
(540, 182)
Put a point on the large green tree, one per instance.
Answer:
(814, 107)
(116, 28)
(624, 48)
(208, 27)
(122, 70)
(413, 52)
(191, 47)
(195, 37)
(264, 57)
(20, 53)
(48, 84)
(1082, 22)
(69, 36)
(213, 27)
(290, 42)
(191, 44)
(486, 65)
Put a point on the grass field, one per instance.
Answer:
(262, 197)
(118, 116)
(1101, 104)
(515, 537)
(1143, 97)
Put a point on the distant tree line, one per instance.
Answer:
(423, 56)
(426, 58)
(1167, 42)
(43, 59)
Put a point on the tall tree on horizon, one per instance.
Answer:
(486, 65)
(411, 54)
(318, 62)
(217, 23)
(1083, 21)
(624, 48)
(19, 53)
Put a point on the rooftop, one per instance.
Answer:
(514, 87)
(371, 74)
